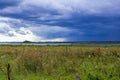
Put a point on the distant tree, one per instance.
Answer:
(26, 41)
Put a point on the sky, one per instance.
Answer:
(59, 20)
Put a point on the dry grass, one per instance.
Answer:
(61, 62)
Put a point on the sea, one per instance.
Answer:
(63, 43)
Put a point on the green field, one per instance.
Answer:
(60, 62)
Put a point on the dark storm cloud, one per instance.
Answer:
(71, 20)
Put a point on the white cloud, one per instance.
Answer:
(7, 33)
(48, 16)
(55, 40)
(49, 29)
(66, 7)
(11, 32)
(69, 6)
(53, 33)
(7, 19)
(15, 9)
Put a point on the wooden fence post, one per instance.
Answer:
(8, 71)
(77, 77)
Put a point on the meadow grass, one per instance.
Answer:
(60, 62)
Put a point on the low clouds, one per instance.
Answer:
(9, 31)
(13, 35)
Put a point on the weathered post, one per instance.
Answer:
(77, 77)
(8, 71)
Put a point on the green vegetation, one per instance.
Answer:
(60, 62)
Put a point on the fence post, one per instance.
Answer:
(77, 77)
(8, 71)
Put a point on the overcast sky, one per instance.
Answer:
(59, 20)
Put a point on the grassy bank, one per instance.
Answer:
(60, 62)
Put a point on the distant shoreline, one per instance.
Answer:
(63, 43)
(69, 42)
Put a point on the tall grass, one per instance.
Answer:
(60, 62)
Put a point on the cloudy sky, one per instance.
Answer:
(59, 20)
